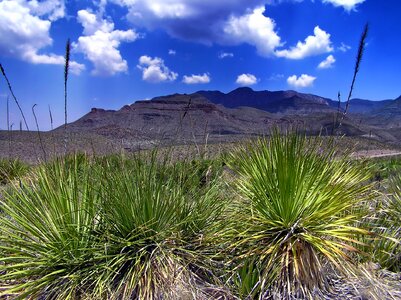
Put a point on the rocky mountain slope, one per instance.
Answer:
(274, 102)
(217, 117)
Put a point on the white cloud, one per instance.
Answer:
(302, 81)
(313, 45)
(154, 70)
(344, 47)
(327, 63)
(52, 59)
(100, 44)
(255, 29)
(346, 4)
(24, 34)
(225, 54)
(53, 9)
(91, 23)
(172, 52)
(224, 22)
(246, 79)
(196, 79)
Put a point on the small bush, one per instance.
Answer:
(11, 169)
(386, 224)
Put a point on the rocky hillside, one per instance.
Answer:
(274, 102)
(213, 116)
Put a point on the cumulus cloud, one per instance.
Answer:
(313, 45)
(224, 22)
(100, 44)
(344, 47)
(246, 79)
(24, 33)
(327, 63)
(53, 9)
(172, 52)
(154, 70)
(196, 79)
(52, 59)
(225, 54)
(346, 4)
(255, 29)
(302, 81)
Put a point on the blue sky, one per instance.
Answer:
(126, 50)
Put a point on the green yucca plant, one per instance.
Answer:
(155, 219)
(296, 213)
(48, 240)
(386, 223)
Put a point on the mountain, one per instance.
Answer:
(218, 117)
(178, 118)
(274, 102)
(386, 116)
(362, 106)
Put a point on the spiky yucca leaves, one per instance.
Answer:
(295, 213)
(47, 240)
(155, 220)
(386, 223)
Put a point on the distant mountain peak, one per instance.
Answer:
(243, 89)
(277, 101)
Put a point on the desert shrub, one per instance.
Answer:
(295, 219)
(11, 169)
(47, 240)
(384, 168)
(385, 222)
(156, 218)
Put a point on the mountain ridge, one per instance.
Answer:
(221, 117)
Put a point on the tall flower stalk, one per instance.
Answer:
(66, 69)
(14, 97)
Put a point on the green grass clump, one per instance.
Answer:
(385, 222)
(11, 169)
(156, 218)
(384, 168)
(50, 232)
(295, 220)
(111, 229)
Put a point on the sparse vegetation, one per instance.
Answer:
(281, 221)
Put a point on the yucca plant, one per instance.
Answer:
(296, 214)
(386, 223)
(155, 220)
(48, 233)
